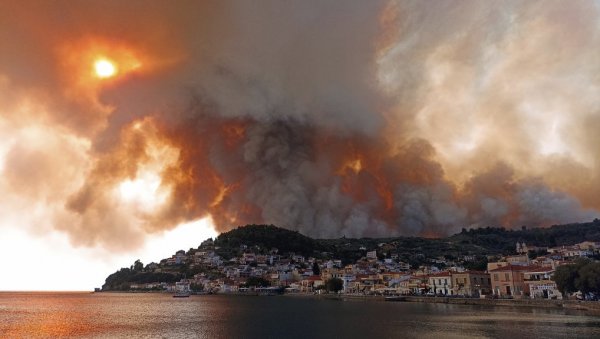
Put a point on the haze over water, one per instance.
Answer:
(114, 315)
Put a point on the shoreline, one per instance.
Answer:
(589, 307)
(592, 307)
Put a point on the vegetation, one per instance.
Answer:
(264, 238)
(479, 264)
(414, 250)
(582, 276)
(334, 285)
(500, 240)
(196, 287)
(470, 247)
(315, 268)
(534, 254)
(257, 282)
(123, 278)
(565, 278)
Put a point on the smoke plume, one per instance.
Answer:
(354, 118)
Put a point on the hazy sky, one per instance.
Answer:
(134, 129)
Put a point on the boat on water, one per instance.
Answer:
(181, 294)
(182, 289)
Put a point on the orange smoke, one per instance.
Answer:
(362, 119)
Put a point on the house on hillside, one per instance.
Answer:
(372, 254)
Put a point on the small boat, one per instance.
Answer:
(181, 294)
(182, 290)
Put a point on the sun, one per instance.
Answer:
(104, 68)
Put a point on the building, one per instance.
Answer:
(311, 283)
(589, 245)
(521, 248)
(471, 283)
(440, 283)
(519, 260)
(330, 273)
(417, 284)
(540, 283)
(248, 258)
(403, 266)
(522, 260)
(347, 278)
(401, 284)
(577, 251)
(508, 281)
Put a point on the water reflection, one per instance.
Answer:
(158, 315)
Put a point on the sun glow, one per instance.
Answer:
(354, 165)
(143, 190)
(104, 68)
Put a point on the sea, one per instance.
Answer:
(158, 315)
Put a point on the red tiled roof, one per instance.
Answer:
(473, 272)
(470, 272)
(440, 274)
(540, 269)
(508, 268)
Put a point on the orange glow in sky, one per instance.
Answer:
(88, 63)
(127, 128)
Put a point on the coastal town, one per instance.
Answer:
(529, 273)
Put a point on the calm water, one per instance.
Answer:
(107, 315)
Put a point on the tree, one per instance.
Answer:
(534, 254)
(565, 278)
(257, 282)
(138, 266)
(315, 268)
(334, 285)
(588, 279)
(196, 287)
(480, 264)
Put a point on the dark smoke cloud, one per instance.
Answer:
(361, 118)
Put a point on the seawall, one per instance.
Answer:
(590, 306)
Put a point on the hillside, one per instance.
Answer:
(469, 248)
(474, 242)
(501, 240)
(266, 238)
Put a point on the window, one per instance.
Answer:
(495, 276)
(506, 276)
